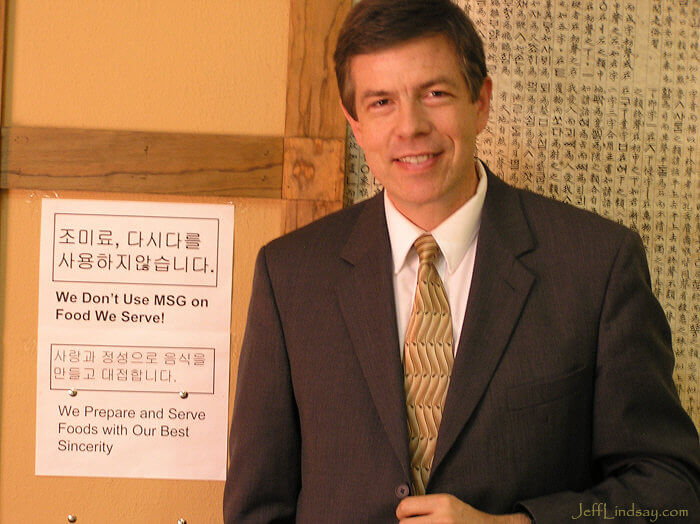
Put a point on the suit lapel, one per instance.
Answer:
(499, 289)
(366, 298)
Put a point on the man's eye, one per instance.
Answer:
(380, 103)
(436, 94)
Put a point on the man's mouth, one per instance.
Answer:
(416, 159)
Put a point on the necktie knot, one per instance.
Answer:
(427, 248)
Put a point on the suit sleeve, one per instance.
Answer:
(263, 479)
(645, 448)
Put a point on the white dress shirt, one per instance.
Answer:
(457, 238)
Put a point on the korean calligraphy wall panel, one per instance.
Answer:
(596, 104)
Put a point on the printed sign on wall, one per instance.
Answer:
(134, 338)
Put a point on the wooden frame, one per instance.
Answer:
(305, 166)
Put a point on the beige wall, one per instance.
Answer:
(217, 66)
(168, 65)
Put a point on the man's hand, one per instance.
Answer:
(447, 509)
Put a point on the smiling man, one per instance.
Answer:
(417, 120)
(454, 349)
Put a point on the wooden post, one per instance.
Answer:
(314, 138)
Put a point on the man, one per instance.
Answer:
(525, 376)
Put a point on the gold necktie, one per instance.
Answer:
(428, 360)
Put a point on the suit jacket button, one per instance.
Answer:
(402, 491)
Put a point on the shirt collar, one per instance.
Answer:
(454, 235)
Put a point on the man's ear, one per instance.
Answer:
(483, 104)
(354, 125)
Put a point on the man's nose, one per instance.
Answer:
(412, 120)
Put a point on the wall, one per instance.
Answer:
(164, 65)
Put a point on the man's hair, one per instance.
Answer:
(376, 25)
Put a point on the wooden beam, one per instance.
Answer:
(141, 162)
(314, 169)
(314, 138)
(312, 95)
(301, 212)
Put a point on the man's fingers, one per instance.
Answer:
(414, 506)
(422, 505)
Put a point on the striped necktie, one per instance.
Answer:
(428, 360)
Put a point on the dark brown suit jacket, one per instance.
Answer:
(561, 394)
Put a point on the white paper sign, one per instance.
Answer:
(134, 337)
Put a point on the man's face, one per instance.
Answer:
(417, 125)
